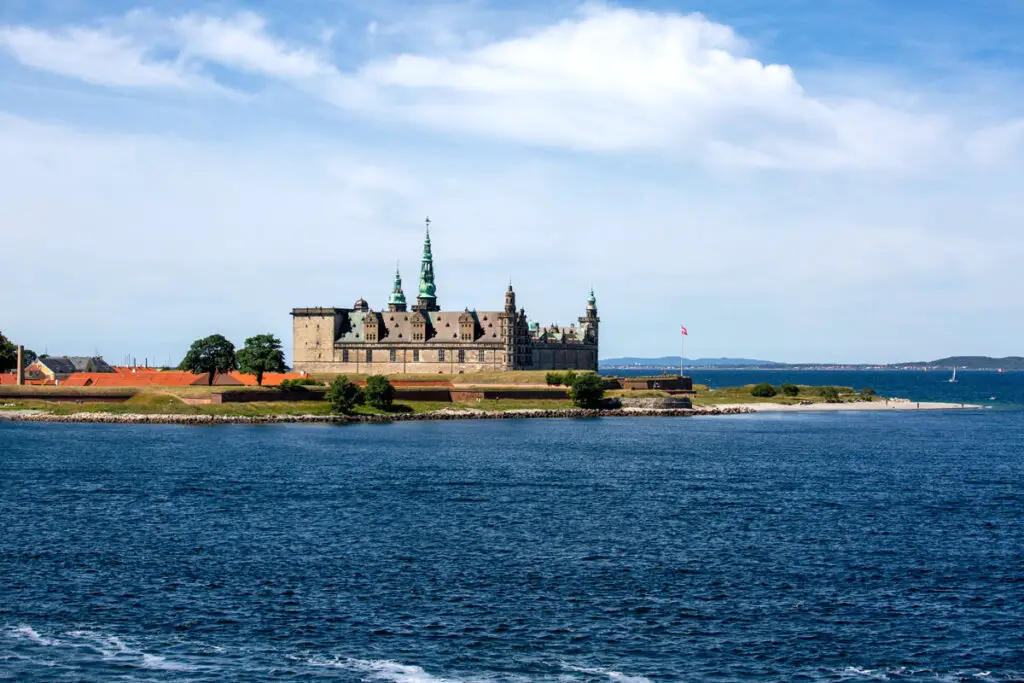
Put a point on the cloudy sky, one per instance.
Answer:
(816, 180)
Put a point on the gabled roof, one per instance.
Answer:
(67, 365)
(398, 325)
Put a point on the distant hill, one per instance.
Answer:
(673, 362)
(970, 363)
(961, 362)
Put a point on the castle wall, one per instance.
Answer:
(564, 357)
(313, 336)
(381, 360)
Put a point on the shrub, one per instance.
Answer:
(867, 394)
(343, 395)
(830, 394)
(554, 379)
(569, 378)
(300, 382)
(763, 390)
(586, 391)
(379, 392)
(790, 389)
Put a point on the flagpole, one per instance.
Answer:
(682, 345)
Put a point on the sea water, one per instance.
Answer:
(814, 547)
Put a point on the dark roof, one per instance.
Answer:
(72, 364)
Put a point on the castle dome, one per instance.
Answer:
(361, 305)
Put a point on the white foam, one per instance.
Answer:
(107, 645)
(382, 670)
(164, 664)
(611, 675)
(29, 633)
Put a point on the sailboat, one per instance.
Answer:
(953, 378)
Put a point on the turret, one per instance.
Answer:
(510, 299)
(426, 300)
(396, 304)
(590, 324)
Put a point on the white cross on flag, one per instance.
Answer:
(684, 331)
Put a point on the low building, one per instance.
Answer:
(60, 368)
(668, 383)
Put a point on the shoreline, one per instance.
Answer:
(471, 414)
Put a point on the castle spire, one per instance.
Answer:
(397, 300)
(426, 300)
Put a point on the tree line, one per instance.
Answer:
(261, 354)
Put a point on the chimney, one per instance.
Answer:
(21, 365)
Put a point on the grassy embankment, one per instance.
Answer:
(726, 395)
(193, 400)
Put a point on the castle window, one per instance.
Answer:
(394, 355)
(415, 355)
(344, 355)
(462, 356)
(369, 356)
(440, 355)
(480, 358)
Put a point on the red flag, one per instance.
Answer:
(684, 331)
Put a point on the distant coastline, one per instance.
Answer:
(669, 363)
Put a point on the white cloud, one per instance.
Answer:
(242, 42)
(606, 80)
(615, 79)
(94, 56)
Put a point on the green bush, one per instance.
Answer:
(569, 378)
(344, 396)
(554, 379)
(379, 392)
(867, 394)
(300, 382)
(830, 394)
(763, 390)
(790, 389)
(586, 391)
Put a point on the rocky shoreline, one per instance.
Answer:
(138, 418)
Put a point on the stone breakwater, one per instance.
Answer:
(447, 414)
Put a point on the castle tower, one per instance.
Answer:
(426, 300)
(396, 304)
(509, 326)
(590, 323)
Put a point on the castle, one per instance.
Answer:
(429, 340)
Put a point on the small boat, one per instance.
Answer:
(953, 378)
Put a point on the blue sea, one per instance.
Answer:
(766, 547)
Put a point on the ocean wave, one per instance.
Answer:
(109, 648)
(382, 669)
(617, 676)
(29, 633)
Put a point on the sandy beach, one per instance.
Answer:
(832, 407)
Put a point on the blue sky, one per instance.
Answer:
(795, 180)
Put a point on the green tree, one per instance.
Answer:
(8, 354)
(343, 395)
(261, 354)
(554, 379)
(790, 390)
(763, 390)
(28, 357)
(379, 392)
(830, 394)
(569, 378)
(867, 394)
(211, 355)
(587, 391)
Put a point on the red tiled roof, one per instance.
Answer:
(270, 379)
(11, 379)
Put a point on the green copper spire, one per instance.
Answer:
(427, 298)
(397, 295)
